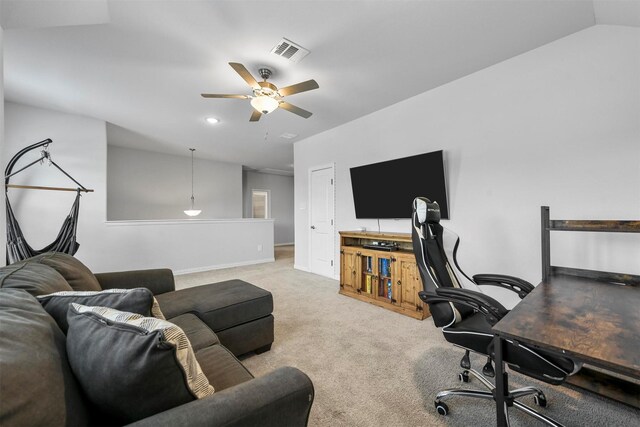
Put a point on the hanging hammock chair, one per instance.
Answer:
(17, 247)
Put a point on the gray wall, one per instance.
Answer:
(555, 126)
(146, 185)
(281, 190)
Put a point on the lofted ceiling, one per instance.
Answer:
(141, 65)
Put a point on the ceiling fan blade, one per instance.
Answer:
(299, 87)
(245, 74)
(255, 116)
(295, 110)
(217, 95)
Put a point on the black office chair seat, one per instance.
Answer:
(474, 333)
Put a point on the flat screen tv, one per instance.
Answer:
(387, 189)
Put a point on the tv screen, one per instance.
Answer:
(387, 189)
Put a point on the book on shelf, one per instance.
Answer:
(368, 281)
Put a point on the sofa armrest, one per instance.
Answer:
(281, 398)
(158, 281)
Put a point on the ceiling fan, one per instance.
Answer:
(266, 96)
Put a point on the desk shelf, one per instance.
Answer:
(600, 226)
(598, 378)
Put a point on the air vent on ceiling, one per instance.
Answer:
(290, 50)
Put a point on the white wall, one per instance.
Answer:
(3, 215)
(186, 246)
(80, 147)
(281, 191)
(148, 185)
(557, 126)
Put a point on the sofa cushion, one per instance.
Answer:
(221, 367)
(131, 366)
(220, 305)
(33, 277)
(37, 386)
(78, 275)
(200, 335)
(248, 336)
(138, 300)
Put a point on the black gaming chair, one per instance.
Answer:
(466, 316)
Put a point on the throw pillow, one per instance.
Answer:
(33, 277)
(78, 275)
(137, 300)
(132, 366)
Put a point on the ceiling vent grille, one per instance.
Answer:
(289, 50)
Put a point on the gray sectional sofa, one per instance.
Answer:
(221, 320)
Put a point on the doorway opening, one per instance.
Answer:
(260, 204)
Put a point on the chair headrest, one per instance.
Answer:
(426, 210)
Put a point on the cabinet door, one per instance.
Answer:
(349, 269)
(384, 290)
(367, 273)
(408, 282)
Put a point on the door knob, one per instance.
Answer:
(313, 227)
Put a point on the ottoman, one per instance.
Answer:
(238, 312)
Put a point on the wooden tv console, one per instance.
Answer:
(388, 279)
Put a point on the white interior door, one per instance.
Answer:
(321, 212)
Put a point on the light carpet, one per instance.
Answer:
(373, 367)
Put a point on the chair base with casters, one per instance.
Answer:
(539, 397)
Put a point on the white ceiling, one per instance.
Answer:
(141, 65)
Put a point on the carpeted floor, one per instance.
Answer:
(373, 367)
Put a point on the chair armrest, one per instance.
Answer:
(515, 284)
(158, 281)
(489, 307)
(280, 398)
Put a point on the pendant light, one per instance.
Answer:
(192, 211)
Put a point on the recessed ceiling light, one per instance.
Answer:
(288, 135)
(212, 120)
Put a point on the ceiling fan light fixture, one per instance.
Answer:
(266, 96)
(264, 104)
(212, 120)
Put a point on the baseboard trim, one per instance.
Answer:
(284, 244)
(298, 267)
(221, 266)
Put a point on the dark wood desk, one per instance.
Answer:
(592, 322)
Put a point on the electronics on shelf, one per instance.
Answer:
(382, 246)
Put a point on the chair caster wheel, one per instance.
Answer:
(463, 377)
(540, 400)
(441, 407)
